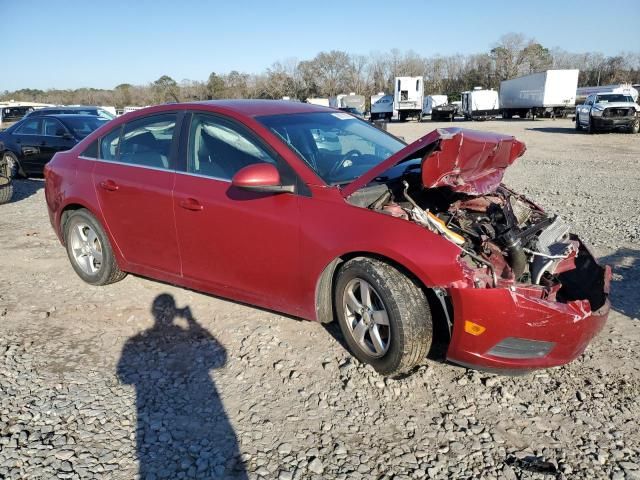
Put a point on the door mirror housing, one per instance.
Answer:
(260, 177)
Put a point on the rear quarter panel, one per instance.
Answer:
(68, 182)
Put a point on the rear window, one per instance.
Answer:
(83, 126)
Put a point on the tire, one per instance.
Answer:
(404, 338)
(9, 165)
(590, 126)
(6, 189)
(578, 126)
(89, 250)
(635, 126)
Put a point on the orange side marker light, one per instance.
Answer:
(473, 328)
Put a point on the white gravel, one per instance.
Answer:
(90, 388)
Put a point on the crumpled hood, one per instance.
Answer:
(468, 161)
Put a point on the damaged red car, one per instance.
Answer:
(318, 214)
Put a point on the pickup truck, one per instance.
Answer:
(608, 111)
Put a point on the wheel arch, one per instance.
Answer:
(66, 211)
(324, 307)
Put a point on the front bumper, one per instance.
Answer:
(611, 123)
(523, 331)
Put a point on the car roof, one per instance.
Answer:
(67, 116)
(264, 107)
(66, 107)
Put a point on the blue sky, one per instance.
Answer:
(76, 43)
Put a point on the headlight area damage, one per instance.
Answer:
(533, 295)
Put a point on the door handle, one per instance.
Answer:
(191, 204)
(109, 185)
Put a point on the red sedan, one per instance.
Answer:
(316, 213)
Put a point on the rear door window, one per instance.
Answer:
(147, 141)
(30, 127)
(109, 145)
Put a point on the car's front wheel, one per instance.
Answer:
(635, 126)
(383, 314)
(89, 249)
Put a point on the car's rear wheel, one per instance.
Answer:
(6, 189)
(383, 314)
(89, 249)
(9, 165)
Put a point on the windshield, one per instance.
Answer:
(337, 146)
(613, 98)
(83, 126)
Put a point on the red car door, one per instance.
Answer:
(246, 243)
(134, 182)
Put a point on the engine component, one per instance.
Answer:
(517, 257)
(552, 243)
(521, 211)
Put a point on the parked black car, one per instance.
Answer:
(79, 110)
(28, 145)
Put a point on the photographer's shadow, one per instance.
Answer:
(182, 431)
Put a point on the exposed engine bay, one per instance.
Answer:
(506, 239)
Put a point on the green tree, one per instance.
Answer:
(215, 86)
(166, 89)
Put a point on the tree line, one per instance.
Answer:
(334, 72)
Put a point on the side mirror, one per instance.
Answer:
(260, 177)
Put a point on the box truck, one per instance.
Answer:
(549, 93)
(480, 104)
(431, 101)
(381, 107)
(408, 97)
(624, 89)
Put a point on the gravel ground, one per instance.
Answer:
(142, 379)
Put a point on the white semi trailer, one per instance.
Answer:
(480, 104)
(408, 97)
(381, 106)
(549, 93)
(323, 102)
(431, 101)
(352, 101)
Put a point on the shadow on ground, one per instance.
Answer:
(182, 430)
(563, 130)
(625, 284)
(24, 188)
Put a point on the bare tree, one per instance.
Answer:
(334, 72)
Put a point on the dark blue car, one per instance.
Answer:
(28, 145)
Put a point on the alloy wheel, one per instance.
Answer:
(86, 248)
(366, 317)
